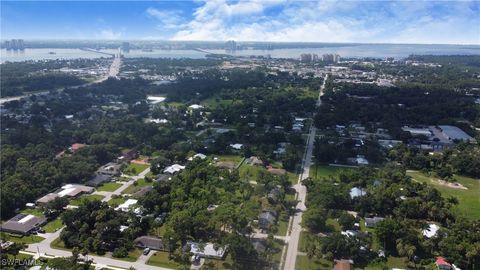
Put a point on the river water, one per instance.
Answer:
(344, 50)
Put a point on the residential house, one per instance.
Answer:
(442, 264)
(266, 219)
(199, 155)
(111, 169)
(276, 172)
(23, 224)
(127, 155)
(150, 242)
(343, 265)
(142, 192)
(431, 231)
(254, 161)
(207, 250)
(274, 195)
(372, 222)
(76, 146)
(173, 169)
(356, 192)
(99, 179)
(125, 207)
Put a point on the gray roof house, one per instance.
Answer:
(23, 224)
(266, 219)
(372, 222)
(111, 169)
(150, 242)
(98, 179)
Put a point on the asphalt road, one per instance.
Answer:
(296, 227)
(43, 249)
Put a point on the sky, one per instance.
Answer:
(415, 21)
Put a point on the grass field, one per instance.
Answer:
(53, 225)
(35, 211)
(132, 256)
(136, 187)
(226, 264)
(134, 169)
(469, 200)
(114, 202)
(304, 263)
(249, 172)
(161, 259)
(58, 244)
(29, 239)
(282, 224)
(318, 171)
(110, 187)
(91, 197)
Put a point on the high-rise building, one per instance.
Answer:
(15, 44)
(231, 46)
(126, 47)
(306, 57)
(331, 58)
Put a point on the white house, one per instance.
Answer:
(174, 168)
(126, 205)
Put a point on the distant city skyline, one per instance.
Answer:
(415, 22)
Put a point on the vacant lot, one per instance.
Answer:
(469, 200)
(136, 186)
(134, 169)
(110, 187)
(80, 199)
(53, 225)
(318, 171)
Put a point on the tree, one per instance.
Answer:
(346, 221)
(314, 219)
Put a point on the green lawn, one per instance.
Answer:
(136, 187)
(114, 202)
(469, 200)
(134, 169)
(53, 225)
(304, 263)
(20, 256)
(132, 256)
(28, 239)
(91, 197)
(58, 244)
(35, 211)
(249, 172)
(282, 224)
(160, 258)
(226, 264)
(318, 171)
(110, 187)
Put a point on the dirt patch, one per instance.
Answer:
(455, 185)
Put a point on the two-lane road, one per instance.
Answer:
(296, 227)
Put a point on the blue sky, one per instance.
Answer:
(455, 22)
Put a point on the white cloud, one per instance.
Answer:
(169, 19)
(332, 21)
(109, 34)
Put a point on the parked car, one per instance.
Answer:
(146, 251)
